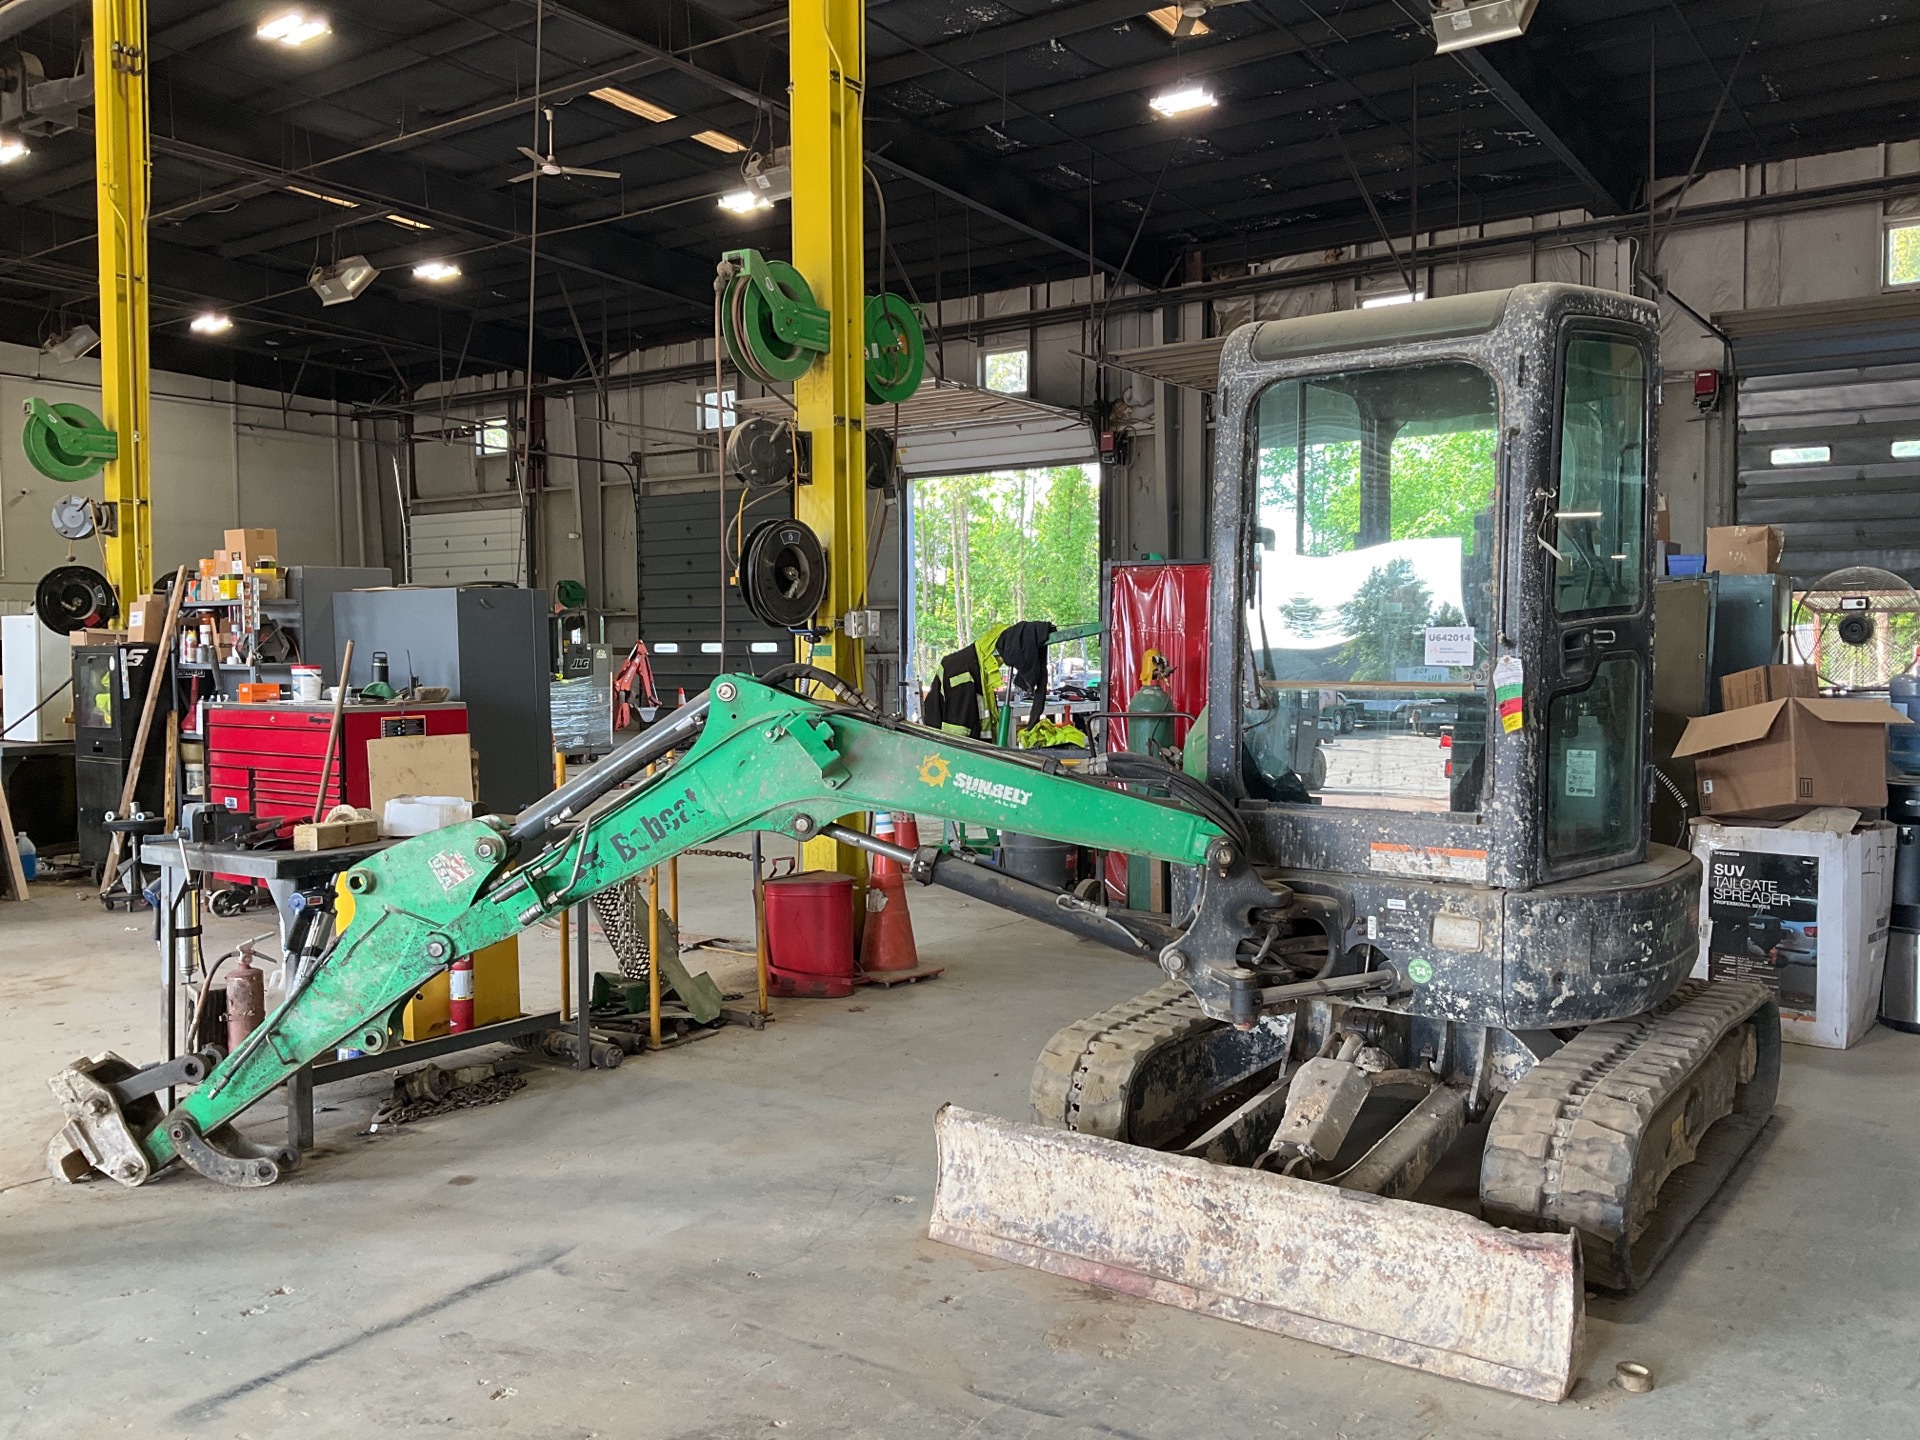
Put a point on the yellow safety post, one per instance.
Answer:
(673, 892)
(826, 40)
(121, 174)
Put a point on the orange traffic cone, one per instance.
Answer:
(680, 702)
(888, 954)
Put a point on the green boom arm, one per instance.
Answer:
(766, 760)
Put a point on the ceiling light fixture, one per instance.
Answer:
(1396, 297)
(626, 100)
(208, 322)
(744, 202)
(293, 28)
(341, 281)
(71, 346)
(1458, 24)
(321, 195)
(436, 271)
(406, 223)
(1184, 101)
(1178, 22)
(714, 140)
(12, 147)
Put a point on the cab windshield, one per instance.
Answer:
(1370, 613)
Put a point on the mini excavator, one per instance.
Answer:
(1460, 955)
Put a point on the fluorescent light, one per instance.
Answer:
(714, 140)
(293, 28)
(208, 322)
(666, 647)
(330, 199)
(1183, 101)
(1458, 24)
(436, 271)
(1398, 297)
(12, 147)
(743, 202)
(709, 647)
(765, 647)
(76, 342)
(1167, 17)
(1577, 514)
(408, 224)
(343, 280)
(631, 103)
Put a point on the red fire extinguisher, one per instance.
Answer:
(460, 995)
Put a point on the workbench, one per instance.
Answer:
(286, 873)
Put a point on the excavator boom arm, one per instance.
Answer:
(764, 759)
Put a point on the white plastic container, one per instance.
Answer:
(418, 814)
(306, 684)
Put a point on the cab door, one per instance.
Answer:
(1600, 605)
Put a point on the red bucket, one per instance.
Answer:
(810, 934)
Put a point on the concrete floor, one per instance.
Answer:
(727, 1241)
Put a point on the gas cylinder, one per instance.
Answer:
(1148, 737)
(246, 999)
(460, 995)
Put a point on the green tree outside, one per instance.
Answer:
(1008, 545)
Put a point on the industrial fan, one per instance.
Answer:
(1857, 627)
(549, 164)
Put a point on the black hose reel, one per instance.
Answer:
(75, 597)
(783, 573)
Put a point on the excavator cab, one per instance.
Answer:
(1442, 512)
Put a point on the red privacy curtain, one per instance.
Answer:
(1154, 605)
(1162, 606)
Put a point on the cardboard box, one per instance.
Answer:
(1786, 756)
(81, 638)
(1737, 549)
(250, 548)
(1768, 682)
(1802, 912)
(146, 618)
(496, 993)
(1662, 518)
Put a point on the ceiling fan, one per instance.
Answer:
(550, 166)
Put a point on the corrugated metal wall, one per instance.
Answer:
(678, 557)
(1832, 456)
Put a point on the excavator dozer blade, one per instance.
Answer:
(1432, 1289)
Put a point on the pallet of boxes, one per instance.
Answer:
(1798, 860)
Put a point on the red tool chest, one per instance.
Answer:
(267, 758)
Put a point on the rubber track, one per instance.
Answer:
(1084, 1076)
(1564, 1146)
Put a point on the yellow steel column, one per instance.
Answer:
(827, 44)
(121, 181)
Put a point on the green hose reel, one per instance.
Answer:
(896, 350)
(67, 442)
(773, 329)
(768, 318)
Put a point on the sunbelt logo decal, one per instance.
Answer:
(936, 770)
(989, 790)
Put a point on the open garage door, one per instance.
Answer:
(1829, 433)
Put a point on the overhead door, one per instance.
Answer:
(678, 558)
(1829, 438)
(467, 547)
